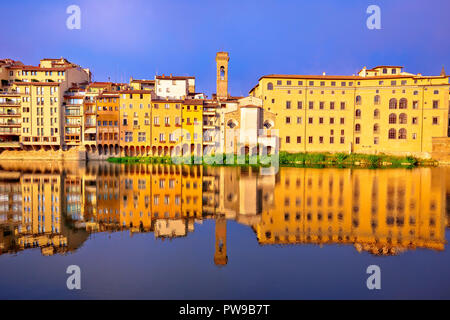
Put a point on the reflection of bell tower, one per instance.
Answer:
(222, 59)
(220, 256)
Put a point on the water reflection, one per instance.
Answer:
(56, 206)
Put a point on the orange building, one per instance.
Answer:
(108, 123)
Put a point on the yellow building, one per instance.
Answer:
(166, 126)
(192, 125)
(135, 122)
(383, 109)
(41, 89)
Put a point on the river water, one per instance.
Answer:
(179, 232)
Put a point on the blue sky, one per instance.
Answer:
(140, 38)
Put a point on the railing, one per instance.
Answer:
(10, 103)
(9, 131)
(10, 123)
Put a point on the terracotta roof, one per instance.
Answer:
(37, 83)
(167, 101)
(174, 77)
(135, 92)
(144, 81)
(33, 68)
(193, 101)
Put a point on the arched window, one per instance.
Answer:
(376, 128)
(403, 103)
(270, 86)
(392, 118)
(403, 118)
(357, 127)
(358, 113)
(376, 99)
(402, 133)
(358, 99)
(392, 134)
(393, 103)
(376, 114)
(222, 73)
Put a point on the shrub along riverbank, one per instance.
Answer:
(293, 160)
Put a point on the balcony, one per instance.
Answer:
(10, 123)
(10, 113)
(72, 125)
(9, 103)
(9, 131)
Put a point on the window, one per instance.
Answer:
(321, 105)
(342, 121)
(436, 91)
(376, 140)
(288, 139)
(358, 113)
(320, 139)
(270, 86)
(342, 140)
(310, 120)
(310, 139)
(392, 133)
(300, 83)
(331, 120)
(403, 103)
(358, 128)
(393, 83)
(320, 120)
(299, 139)
(331, 140)
(435, 104)
(288, 120)
(299, 120)
(161, 137)
(331, 105)
(376, 99)
(393, 103)
(376, 128)
(392, 118)
(358, 99)
(342, 105)
(415, 105)
(311, 105)
(402, 133)
(357, 139)
(435, 120)
(299, 105)
(415, 120)
(376, 114)
(288, 104)
(311, 83)
(279, 82)
(403, 118)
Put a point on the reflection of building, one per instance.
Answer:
(380, 211)
(384, 212)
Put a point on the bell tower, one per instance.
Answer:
(222, 59)
(220, 255)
